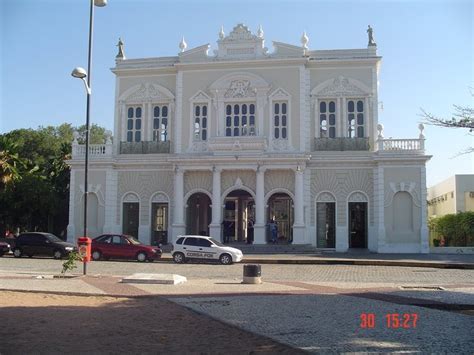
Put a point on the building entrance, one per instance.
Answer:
(239, 217)
(358, 224)
(198, 214)
(281, 211)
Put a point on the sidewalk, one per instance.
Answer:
(443, 261)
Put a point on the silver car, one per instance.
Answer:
(204, 248)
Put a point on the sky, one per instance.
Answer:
(427, 50)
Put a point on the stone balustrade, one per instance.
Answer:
(96, 151)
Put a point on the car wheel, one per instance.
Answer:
(225, 259)
(1, 254)
(96, 255)
(141, 256)
(30, 255)
(179, 258)
(17, 253)
(58, 254)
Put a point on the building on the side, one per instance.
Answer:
(453, 195)
(221, 143)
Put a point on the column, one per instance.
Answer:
(215, 227)
(339, 118)
(177, 116)
(178, 215)
(111, 202)
(380, 211)
(424, 234)
(71, 228)
(298, 226)
(259, 226)
(344, 118)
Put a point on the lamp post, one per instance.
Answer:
(80, 73)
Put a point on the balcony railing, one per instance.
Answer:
(340, 144)
(145, 147)
(96, 151)
(401, 145)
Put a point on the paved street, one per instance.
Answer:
(316, 308)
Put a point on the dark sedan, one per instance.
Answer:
(4, 248)
(116, 246)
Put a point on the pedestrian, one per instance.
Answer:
(250, 231)
(273, 230)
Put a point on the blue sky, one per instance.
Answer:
(427, 49)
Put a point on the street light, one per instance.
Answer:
(80, 73)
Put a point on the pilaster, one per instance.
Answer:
(259, 227)
(178, 215)
(215, 227)
(379, 198)
(424, 234)
(111, 188)
(71, 230)
(178, 117)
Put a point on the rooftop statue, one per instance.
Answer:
(121, 54)
(370, 32)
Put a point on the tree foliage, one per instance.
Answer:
(454, 229)
(463, 117)
(34, 176)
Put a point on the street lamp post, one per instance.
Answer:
(80, 73)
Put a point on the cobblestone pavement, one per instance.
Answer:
(316, 308)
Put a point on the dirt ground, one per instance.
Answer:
(49, 323)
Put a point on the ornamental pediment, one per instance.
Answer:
(146, 92)
(241, 44)
(340, 86)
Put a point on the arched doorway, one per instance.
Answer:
(198, 214)
(280, 209)
(239, 216)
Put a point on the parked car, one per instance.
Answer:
(116, 246)
(204, 248)
(46, 244)
(4, 248)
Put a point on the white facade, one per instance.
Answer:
(453, 195)
(205, 143)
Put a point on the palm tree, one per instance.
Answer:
(10, 162)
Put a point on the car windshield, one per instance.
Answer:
(219, 244)
(53, 238)
(133, 240)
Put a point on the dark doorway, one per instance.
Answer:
(130, 218)
(358, 224)
(199, 214)
(239, 216)
(159, 223)
(280, 210)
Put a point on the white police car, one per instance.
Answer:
(204, 248)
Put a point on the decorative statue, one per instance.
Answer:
(370, 32)
(121, 54)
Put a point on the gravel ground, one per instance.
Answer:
(331, 323)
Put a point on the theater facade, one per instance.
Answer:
(220, 143)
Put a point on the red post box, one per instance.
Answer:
(84, 246)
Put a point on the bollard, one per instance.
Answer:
(252, 274)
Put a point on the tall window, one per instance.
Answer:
(355, 118)
(240, 120)
(280, 120)
(160, 123)
(134, 124)
(327, 119)
(200, 122)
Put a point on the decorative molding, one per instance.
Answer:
(280, 144)
(146, 92)
(341, 86)
(200, 96)
(279, 94)
(280, 179)
(239, 89)
(325, 196)
(194, 180)
(410, 187)
(159, 197)
(357, 197)
(131, 197)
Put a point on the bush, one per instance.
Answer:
(456, 229)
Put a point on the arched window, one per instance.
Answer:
(134, 124)
(355, 118)
(160, 123)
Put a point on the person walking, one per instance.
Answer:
(273, 231)
(250, 231)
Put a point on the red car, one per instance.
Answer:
(115, 246)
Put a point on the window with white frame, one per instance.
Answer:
(160, 123)
(200, 122)
(327, 118)
(280, 120)
(355, 118)
(134, 124)
(240, 119)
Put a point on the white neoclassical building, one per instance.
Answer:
(205, 143)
